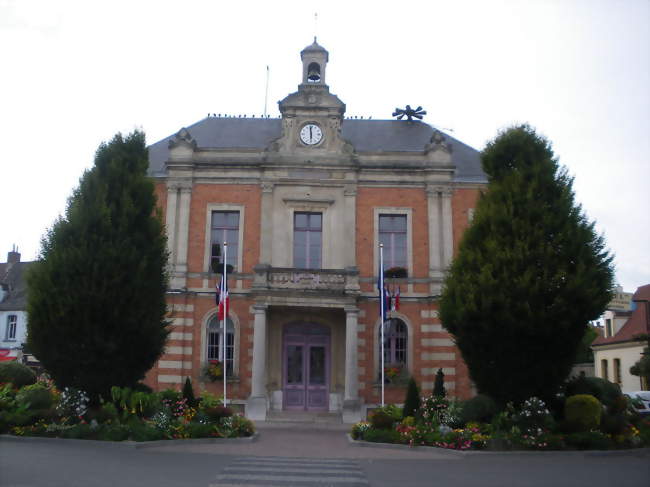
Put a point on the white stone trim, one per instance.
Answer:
(170, 379)
(434, 370)
(438, 356)
(448, 385)
(182, 321)
(178, 350)
(170, 364)
(204, 336)
(436, 342)
(432, 327)
(409, 343)
(210, 207)
(175, 335)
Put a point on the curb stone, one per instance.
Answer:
(137, 445)
(636, 452)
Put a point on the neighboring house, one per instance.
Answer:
(303, 202)
(13, 305)
(620, 347)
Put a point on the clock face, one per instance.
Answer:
(311, 134)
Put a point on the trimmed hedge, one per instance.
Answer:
(582, 412)
(18, 374)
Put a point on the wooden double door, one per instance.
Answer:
(306, 360)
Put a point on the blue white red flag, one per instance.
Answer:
(222, 296)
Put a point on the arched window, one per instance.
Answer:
(214, 343)
(395, 342)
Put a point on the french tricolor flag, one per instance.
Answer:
(222, 296)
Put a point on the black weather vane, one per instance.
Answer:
(409, 112)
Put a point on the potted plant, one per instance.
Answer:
(213, 371)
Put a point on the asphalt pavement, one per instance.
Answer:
(297, 456)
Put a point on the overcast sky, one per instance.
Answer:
(76, 72)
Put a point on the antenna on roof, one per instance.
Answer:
(266, 93)
(315, 25)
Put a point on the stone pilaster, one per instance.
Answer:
(256, 406)
(266, 224)
(351, 409)
(350, 223)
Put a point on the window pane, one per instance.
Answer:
(315, 221)
(316, 365)
(294, 364)
(300, 220)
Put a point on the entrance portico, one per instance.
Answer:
(304, 359)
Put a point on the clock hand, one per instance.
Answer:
(311, 137)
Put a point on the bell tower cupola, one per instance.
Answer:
(314, 61)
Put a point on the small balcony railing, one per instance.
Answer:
(336, 281)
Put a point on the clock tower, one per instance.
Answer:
(312, 116)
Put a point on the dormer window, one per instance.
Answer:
(313, 73)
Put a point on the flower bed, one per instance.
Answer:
(531, 426)
(42, 410)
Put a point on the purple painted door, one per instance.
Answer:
(306, 367)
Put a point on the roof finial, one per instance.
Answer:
(315, 26)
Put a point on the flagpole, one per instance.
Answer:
(383, 314)
(225, 320)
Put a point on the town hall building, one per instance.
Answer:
(303, 202)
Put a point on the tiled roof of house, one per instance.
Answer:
(12, 279)
(637, 324)
(364, 135)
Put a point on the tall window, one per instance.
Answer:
(10, 333)
(392, 233)
(608, 327)
(307, 240)
(617, 370)
(604, 372)
(214, 343)
(395, 342)
(225, 228)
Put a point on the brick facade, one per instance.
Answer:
(349, 182)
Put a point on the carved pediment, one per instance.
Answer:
(183, 139)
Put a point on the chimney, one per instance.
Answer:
(13, 257)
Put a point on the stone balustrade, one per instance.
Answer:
(336, 281)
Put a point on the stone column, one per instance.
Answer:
(447, 229)
(349, 227)
(351, 409)
(256, 405)
(266, 224)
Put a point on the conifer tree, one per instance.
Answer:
(412, 400)
(439, 385)
(96, 302)
(530, 273)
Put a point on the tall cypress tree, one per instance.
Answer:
(96, 301)
(529, 275)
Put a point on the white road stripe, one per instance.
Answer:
(294, 472)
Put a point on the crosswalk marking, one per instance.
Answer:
(291, 472)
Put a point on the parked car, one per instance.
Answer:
(640, 401)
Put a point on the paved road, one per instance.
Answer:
(304, 457)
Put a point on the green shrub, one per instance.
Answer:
(7, 397)
(393, 411)
(242, 426)
(588, 440)
(412, 400)
(198, 430)
(80, 431)
(582, 412)
(358, 430)
(479, 409)
(217, 412)
(113, 432)
(35, 396)
(381, 436)
(170, 395)
(18, 374)
(613, 424)
(209, 400)
(603, 390)
(188, 393)
(439, 384)
(381, 420)
(107, 412)
(144, 432)
(141, 387)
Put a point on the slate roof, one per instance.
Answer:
(637, 324)
(365, 136)
(12, 279)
